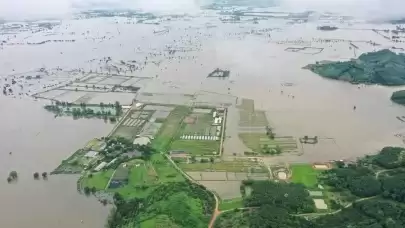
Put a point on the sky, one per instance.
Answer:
(34, 9)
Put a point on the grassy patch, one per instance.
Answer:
(144, 177)
(99, 180)
(231, 204)
(304, 174)
(197, 147)
(170, 128)
(165, 170)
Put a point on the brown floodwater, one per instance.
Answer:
(38, 143)
(259, 66)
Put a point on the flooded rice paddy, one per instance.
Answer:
(169, 63)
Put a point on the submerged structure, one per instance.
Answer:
(218, 73)
(327, 28)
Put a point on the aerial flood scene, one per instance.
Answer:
(195, 114)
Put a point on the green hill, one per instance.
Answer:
(398, 97)
(382, 67)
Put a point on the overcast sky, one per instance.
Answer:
(23, 9)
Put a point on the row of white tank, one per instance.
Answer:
(199, 137)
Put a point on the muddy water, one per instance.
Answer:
(320, 107)
(38, 143)
(258, 64)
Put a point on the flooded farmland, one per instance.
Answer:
(167, 60)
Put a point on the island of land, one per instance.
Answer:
(382, 67)
(398, 97)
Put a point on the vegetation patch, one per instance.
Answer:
(98, 180)
(170, 128)
(398, 97)
(231, 204)
(196, 147)
(304, 174)
(180, 204)
(237, 165)
(263, 144)
(381, 67)
(106, 111)
(145, 176)
(365, 193)
(234, 219)
(391, 157)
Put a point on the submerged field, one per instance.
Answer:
(263, 144)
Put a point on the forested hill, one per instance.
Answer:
(398, 97)
(382, 67)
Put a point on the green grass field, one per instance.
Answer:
(165, 170)
(197, 147)
(304, 174)
(230, 204)
(144, 177)
(99, 179)
(170, 128)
